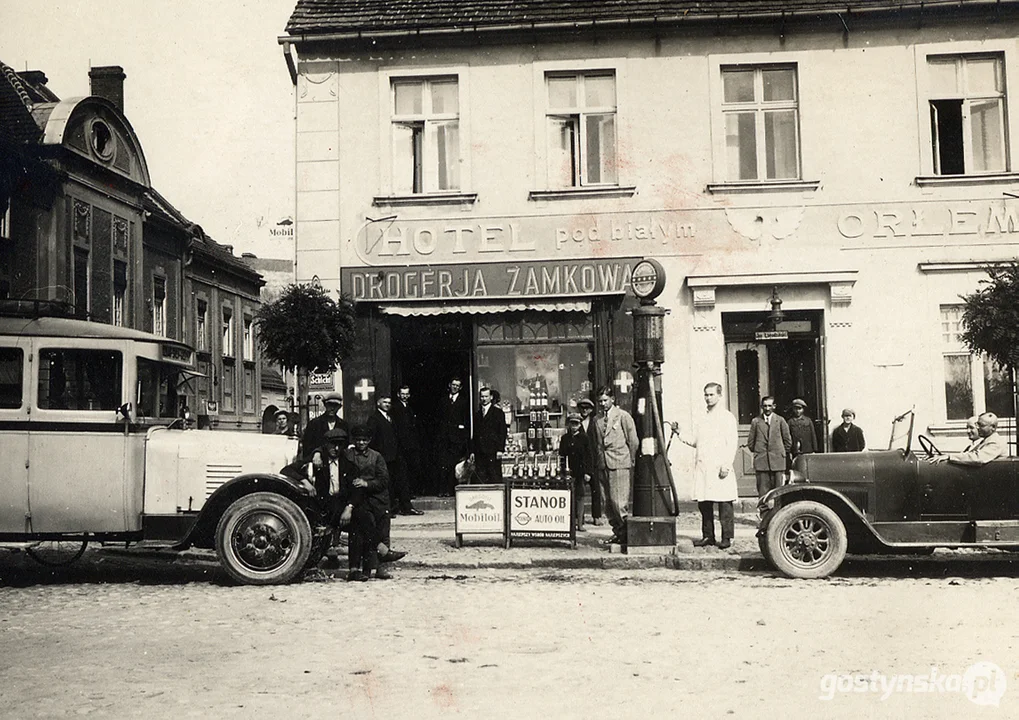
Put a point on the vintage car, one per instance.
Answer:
(93, 449)
(885, 501)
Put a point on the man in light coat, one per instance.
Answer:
(714, 438)
(617, 445)
(770, 442)
(989, 446)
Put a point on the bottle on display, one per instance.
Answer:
(546, 431)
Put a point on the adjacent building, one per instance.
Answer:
(820, 180)
(82, 226)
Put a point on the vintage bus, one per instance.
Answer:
(94, 448)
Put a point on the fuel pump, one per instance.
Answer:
(651, 525)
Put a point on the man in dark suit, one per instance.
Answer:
(315, 434)
(587, 424)
(385, 442)
(453, 435)
(406, 425)
(489, 439)
(770, 442)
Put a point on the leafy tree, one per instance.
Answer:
(304, 328)
(990, 319)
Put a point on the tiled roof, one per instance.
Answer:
(319, 16)
(17, 127)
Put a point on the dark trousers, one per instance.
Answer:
(364, 539)
(725, 517)
(578, 503)
(596, 512)
(769, 480)
(488, 468)
(399, 488)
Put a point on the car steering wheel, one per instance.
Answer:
(928, 446)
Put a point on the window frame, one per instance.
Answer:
(201, 325)
(978, 368)
(577, 116)
(227, 331)
(248, 341)
(159, 306)
(388, 192)
(1007, 51)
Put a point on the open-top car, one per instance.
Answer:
(886, 501)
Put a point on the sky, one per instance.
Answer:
(207, 92)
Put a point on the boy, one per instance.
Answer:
(575, 448)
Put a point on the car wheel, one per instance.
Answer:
(57, 553)
(806, 540)
(263, 539)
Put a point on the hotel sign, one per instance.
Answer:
(489, 281)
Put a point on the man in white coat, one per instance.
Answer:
(714, 437)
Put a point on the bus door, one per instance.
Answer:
(14, 399)
(77, 442)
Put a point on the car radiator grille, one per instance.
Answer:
(216, 475)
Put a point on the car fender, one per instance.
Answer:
(859, 531)
(202, 533)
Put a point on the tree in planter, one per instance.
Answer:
(990, 320)
(304, 328)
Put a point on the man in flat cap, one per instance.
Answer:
(848, 437)
(575, 447)
(315, 433)
(364, 501)
(801, 428)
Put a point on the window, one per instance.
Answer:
(426, 135)
(972, 383)
(11, 370)
(119, 291)
(228, 332)
(967, 107)
(157, 389)
(201, 326)
(581, 129)
(249, 339)
(81, 278)
(760, 108)
(5, 223)
(159, 305)
(79, 379)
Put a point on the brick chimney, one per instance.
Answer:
(107, 82)
(34, 77)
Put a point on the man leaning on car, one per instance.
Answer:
(990, 445)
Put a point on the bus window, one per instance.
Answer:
(11, 369)
(157, 389)
(73, 379)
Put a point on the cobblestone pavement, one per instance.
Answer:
(126, 637)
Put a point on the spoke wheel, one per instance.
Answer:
(806, 540)
(263, 539)
(56, 553)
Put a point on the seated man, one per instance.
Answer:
(989, 446)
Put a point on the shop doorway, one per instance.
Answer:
(789, 364)
(427, 354)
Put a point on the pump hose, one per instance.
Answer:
(660, 439)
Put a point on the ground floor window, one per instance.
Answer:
(973, 384)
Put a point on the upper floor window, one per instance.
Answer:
(202, 326)
(159, 305)
(973, 384)
(967, 108)
(5, 223)
(426, 135)
(249, 339)
(760, 107)
(228, 332)
(581, 118)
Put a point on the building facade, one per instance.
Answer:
(820, 181)
(83, 226)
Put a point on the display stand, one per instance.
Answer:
(540, 509)
(480, 510)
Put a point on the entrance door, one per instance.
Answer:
(427, 354)
(786, 368)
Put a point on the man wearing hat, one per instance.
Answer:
(282, 422)
(585, 406)
(848, 437)
(801, 428)
(315, 433)
(364, 501)
(575, 447)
